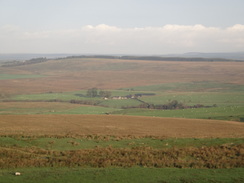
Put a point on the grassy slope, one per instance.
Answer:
(122, 175)
(68, 143)
(18, 76)
(50, 108)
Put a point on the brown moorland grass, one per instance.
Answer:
(83, 73)
(117, 125)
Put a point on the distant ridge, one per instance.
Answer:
(226, 55)
(28, 56)
(191, 56)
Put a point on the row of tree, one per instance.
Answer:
(174, 104)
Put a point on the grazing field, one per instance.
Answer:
(195, 86)
(122, 175)
(216, 105)
(193, 98)
(189, 98)
(17, 76)
(51, 108)
(231, 113)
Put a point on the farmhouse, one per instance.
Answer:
(119, 98)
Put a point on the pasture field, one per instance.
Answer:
(222, 105)
(188, 98)
(195, 86)
(51, 108)
(122, 175)
(231, 113)
(18, 76)
(193, 98)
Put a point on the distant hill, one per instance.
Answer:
(191, 56)
(230, 55)
(160, 58)
(21, 57)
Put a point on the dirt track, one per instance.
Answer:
(117, 125)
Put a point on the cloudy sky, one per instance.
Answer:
(121, 26)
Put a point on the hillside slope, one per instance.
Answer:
(83, 73)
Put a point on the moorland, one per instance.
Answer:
(122, 120)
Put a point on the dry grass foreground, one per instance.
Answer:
(117, 125)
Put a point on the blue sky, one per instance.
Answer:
(121, 26)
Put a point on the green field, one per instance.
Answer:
(205, 93)
(53, 108)
(66, 96)
(206, 98)
(193, 98)
(232, 113)
(18, 76)
(199, 86)
(122, 175)
(221, 105)
(90, 142)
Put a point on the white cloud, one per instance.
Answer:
(110, 39)
(237, 27)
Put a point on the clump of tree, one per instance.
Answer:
(105, 94)
(174, 104)
(93, 92)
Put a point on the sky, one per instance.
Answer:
(145, 27)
